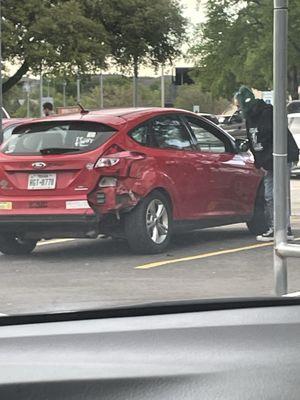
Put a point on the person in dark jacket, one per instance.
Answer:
(259, 125)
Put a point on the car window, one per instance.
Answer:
(141, 135)
(206, 141)
(169, 133)
(7, 132)
(80, 136)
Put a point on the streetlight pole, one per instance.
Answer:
(28, 97)
(162, 86)
(280, 142)
(41, 93)
(135, 91)
(101, 91)
(78, 89)
(64, 93)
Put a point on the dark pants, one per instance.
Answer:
(268, 182)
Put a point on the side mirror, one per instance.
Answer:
(235, 119)
(242, 145)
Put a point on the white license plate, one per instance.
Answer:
(41, 181)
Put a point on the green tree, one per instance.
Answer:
(189, 95)
(141, 31)
(56, 34)
(235, 46)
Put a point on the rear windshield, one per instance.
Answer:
(58, 136)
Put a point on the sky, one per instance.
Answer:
(194, 10)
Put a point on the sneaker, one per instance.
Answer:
(267, 236)
(290, 235)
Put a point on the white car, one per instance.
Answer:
(294, 126)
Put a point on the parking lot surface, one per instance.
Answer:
(63, 275)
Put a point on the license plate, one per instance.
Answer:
(41, 181)
(5, 205)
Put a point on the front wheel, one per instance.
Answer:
(148, 226)
(15, 245)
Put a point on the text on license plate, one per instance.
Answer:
(41, 181)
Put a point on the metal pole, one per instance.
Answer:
(280, 142)
(41, 94)
(135, 92)
(101, 90)
(64, 93)
(162, 87)
(28, 98)
(78, 89)
(28, 105)
(1, 97)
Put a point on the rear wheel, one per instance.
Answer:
(148, 226)
(258, 223)
(11, 244)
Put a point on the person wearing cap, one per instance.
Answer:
(48, 109)
(259, 126)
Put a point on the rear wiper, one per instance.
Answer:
(58, 150)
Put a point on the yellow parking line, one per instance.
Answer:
(205, 255)
(54, 241)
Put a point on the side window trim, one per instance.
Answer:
(215, 132)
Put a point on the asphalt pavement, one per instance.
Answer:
(63, 275)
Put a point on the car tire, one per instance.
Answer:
(14, 245)
(258, 223)
(148, 227)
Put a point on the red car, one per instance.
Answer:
(138, 173)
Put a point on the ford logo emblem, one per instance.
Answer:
(39, 165)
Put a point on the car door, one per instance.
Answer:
(228, 175)
(176, 156)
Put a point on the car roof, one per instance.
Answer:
(6, 122)
(111, 116)
(294, 115)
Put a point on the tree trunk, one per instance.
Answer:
(293, 82)
(13, 80)
(135, 82)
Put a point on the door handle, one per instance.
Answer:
(171, 162)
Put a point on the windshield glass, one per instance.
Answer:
(138, 162)
(77, 136)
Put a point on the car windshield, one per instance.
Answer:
(59, 136)
(137, 156)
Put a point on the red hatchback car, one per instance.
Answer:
(140, 173)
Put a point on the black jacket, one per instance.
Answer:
(259, 124)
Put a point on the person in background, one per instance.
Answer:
(259, 126)
(48, 109)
